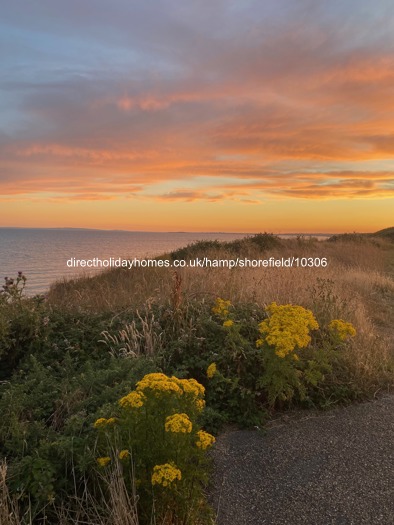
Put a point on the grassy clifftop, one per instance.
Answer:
(387, 233)
(253, 340)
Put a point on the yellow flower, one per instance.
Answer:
(154, 376)
(200, 405)
(124, 454)
(228, 323)
(221, 308)
(342, 329)
(211, 370)
(287, 328)
(132, 400)
(190, 386)
(100, 422)
(158, 384)
(165, 474)
(178, 423)
(103, 462)
(205, 440)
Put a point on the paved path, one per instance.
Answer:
(335, 468)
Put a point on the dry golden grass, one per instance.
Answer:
(9, 511)
(355, 269)
(120, 504)
(357, 285)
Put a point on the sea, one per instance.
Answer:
(42, 255)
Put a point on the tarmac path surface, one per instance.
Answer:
(331, 468)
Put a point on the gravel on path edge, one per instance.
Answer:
(334, 468)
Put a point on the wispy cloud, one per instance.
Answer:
(115, 101)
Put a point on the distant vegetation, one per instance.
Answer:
(112, 387)
(260, 242)
(387, 233)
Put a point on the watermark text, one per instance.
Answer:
(200, 262)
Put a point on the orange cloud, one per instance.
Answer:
(271, 105)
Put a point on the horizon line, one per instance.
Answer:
(171, 231)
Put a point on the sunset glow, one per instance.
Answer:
(202, 116)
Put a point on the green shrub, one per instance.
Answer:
(23, 326)
(196, 249)
(60, 375)
(157, 438)
(47, 417)
(290, 361)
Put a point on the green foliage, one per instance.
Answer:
(58, 378)
(195, 338)
(349, 237)
(22, 324)
(288, 381)
(233, 389)
(157, 438)
(50, 401)
(36, 477)
(264, 241)
(195, 249)
(261, 242)
(275, 363)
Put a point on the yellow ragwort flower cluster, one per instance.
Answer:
(178, 423)
(103, 462)
(221, 308)
(342, 329)
(102, 422)
(165, 474)
(159, 383)
(228, 324)
(287, 328)
(211, 370)
(200, 404)
(205, 440)
(190, 386)
(124, 454)
(133, 400)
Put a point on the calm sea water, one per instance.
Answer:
(42, 254)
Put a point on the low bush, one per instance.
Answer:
(23, 326)
(74, 450)
(155, 434)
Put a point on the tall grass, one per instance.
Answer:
(356, 285)
(351, 266)
(163, 319)
(120, 505)
(9, 511)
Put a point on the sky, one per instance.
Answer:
(204, 115)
